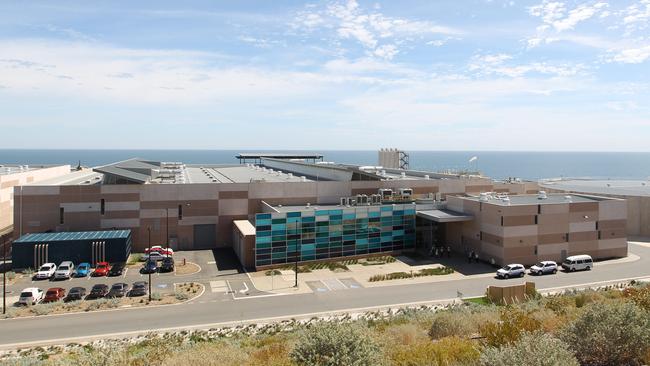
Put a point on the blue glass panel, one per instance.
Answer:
(386, 208)
(336, 212)
(293, 214)
(362, 241)
(262, 239)
(309, 219)
(263, 216)
(263, 233)
(282, 227)
(349, 216)
(262, 222)
(307, 247)
(322, 212)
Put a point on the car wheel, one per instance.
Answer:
(555, 271)
(572, 269)
(588, 268)
(522, 274)
(506, 276)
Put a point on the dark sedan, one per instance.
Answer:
(117, 269)
(139, 288)
(99, 290)
(167, 265)
(150, 266)
(76, 293)
(118, 290)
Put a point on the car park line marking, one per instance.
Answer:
(245, 289)
(125, 270)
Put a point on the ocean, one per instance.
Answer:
(496, 164)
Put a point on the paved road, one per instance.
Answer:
(212, 310)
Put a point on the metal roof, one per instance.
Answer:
(603, 186)
(78, 235)
(533, 199)
(278, 156)
(444, 216)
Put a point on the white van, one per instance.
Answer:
(578, 263)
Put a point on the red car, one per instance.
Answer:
(101, 269)
(54, 294)
(159, 249)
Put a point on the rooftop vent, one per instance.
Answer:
(403, 174)
(483, 197)
(303, 178)
(542, 195)
(426, 176)
(567, 198)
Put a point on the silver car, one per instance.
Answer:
(544, 267)
(511, 270)
(64, 271)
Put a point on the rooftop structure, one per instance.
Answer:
(605, 186)
(73, 178)
(6, 169)
(257, 157)
(539, 199)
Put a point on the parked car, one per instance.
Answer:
(544, 267)
(511, 270)
(159, 249)
(30, 296)
(154, 256)
(101, 269)
(99, 290)
(118, 290)
(117, 269)
(76, 293)
(139, 288)
(578, 263)
(46, 271)
(64, 271)
(150, 266)
(54, 294)
(167, 265)
(83, 270)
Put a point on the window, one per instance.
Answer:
(539, 209)
(501, 220)
(180, 212)
(61, 212)
(102, 208)
(535, 219)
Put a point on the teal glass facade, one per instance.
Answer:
(333, 232)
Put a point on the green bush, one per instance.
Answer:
(640, 296)
(335, 344)
(533, 349)
(134, 258)
(512, 324)
(421, 273)
(447, 351)
(156, 296)
(10, 275)
(41, 309)
(273, 272)
(609, 334)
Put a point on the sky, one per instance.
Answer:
(509, 75)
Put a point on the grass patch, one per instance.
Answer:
(134, 258)
(374, 261)
(483, 300)
(421, 273)
(273, 272)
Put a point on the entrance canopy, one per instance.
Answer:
(444, 216)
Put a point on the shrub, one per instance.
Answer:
(181, 296)
(273, 272)
(640, 296)
(10, 275)
(335, 344)
(156, 296)
(41, 309)
(533, 349)
(512, 323)
(559, 304)
(134, 258)
(275, 354)
(461, 322)
(447, 351)
(609, 334)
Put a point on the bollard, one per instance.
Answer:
(184, 261)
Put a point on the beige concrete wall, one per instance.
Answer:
(9, 181)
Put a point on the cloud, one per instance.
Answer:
(556, 15)
(375, 32)
(485, 65)
(632, 55)
(637, 16)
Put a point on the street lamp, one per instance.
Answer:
(4, 276)
(149, 232)
(297, 257)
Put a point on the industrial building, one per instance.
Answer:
(271, 212)
(635, 192)
(32, 250)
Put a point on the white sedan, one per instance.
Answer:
(31, 296)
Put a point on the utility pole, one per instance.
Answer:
(167, 228)
(297, 257)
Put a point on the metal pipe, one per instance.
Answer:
(149, 230)
(4, 276)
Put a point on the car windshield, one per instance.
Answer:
(567, 261)
(63, 268)
(74, 290)
(25, 294)
(44, 268)
(101, 266)
(540, 264)
(53, 292)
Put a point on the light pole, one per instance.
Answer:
(297, 257)
(4, 276)
(149, 232)
(167, 229)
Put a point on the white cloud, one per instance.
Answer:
(632, 55)
(484, 65)
(637, 16)
(556, 15)
(377, 33)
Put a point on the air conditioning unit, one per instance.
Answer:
(405, 192)
(386, 193)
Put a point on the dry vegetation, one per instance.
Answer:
(186, 269)
(604, 327)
